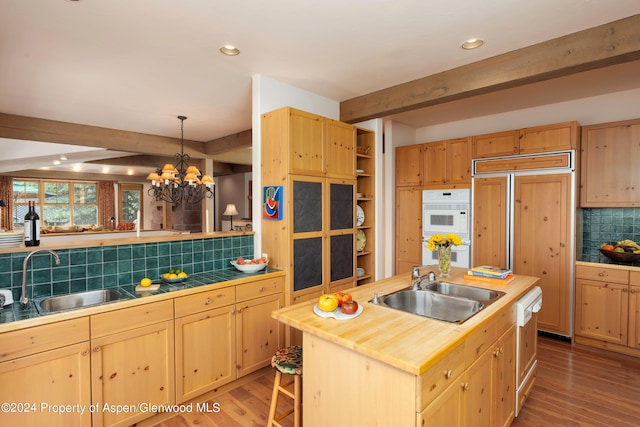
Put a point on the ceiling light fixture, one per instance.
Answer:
(472, 44)
(63, 157)
(180, 183)
(230, 50)
(56, 162)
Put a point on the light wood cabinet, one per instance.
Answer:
(231, 335)
(608, 308)
(409, 168)
(408, 232)
(484, 393)
(609, 159)
(366, 200)
(537, 139)
(447, 164)
(46, 365)
(490, 221)
(132, 362)
(313, 159)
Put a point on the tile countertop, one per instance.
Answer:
(406, 341)
(611, 264)
(14, 317)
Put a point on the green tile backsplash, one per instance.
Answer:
(83, 269)
(606, 225)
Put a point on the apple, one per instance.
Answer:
(240, 261)
(328, 302)
(618, 249)
(349, 307)
(342, 297)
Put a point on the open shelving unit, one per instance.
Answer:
(365, 199)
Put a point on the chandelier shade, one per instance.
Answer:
(180, 182)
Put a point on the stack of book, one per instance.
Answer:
(490, 274)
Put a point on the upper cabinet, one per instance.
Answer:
(609, 174)
(538, 139)
(320, 146)
(409, 165)
(447, 164)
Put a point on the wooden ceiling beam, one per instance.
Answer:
(605, 45)
(229, 143)
(34, 129)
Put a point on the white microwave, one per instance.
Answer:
(444, 221)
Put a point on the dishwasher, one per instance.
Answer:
(527, 310)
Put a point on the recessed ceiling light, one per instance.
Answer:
(472, 44)
(229, 50)
(63, 157)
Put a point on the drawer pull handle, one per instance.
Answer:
(465, 386)
(448, 374)
(207, 301)
(96, 348)
(262, 289)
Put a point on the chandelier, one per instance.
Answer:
(180, 183)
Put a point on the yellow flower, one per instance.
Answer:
(448, 240)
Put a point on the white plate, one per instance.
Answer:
(249, 268)
(337, 313)
(359, 215)
(361, 240)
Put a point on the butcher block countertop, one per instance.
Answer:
(406, 341)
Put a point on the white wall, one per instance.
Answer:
(268, 95)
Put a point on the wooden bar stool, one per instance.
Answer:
(287, 361)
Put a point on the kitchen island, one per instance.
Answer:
(388, 367)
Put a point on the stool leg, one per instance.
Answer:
(297, 402)
(274, 398)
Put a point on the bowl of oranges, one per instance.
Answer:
(250, 265)
(174, 275)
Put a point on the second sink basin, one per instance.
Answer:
(478, 294)
(77, 300)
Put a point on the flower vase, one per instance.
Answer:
(444, 260)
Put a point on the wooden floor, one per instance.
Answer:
(574, 387)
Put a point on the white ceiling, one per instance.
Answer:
(137, 64)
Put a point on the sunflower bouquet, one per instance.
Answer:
(437, 240)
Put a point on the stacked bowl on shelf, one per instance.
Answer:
(9, 239)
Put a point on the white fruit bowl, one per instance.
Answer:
(249, 268)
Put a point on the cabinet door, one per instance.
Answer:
(495, 144)
(435, 160)
(490, 221)
(602, 311)
(555, 137)
(340, 146)
(477, 399)
(408, 228)
(306, 143)
(409, 168)
(258, 334)
(445, 410)
(54, 377)
(504, 378)
(132, 367)
(458, 163)
(205, 352)
(609, 159)
(634, 316)
(542, 240)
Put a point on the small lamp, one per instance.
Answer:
(231, 211)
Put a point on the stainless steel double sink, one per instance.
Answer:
(444, 301)
(55, 304)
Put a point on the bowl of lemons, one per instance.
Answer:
(174, 276)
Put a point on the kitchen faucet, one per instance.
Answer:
(418, 278)
(24, 301)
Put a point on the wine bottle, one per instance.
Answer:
(31, 226)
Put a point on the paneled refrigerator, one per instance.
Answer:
(524, 219)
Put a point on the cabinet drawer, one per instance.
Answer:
(259, 288)
(437, 378)
(480, 341)
(27, 341)
(602, 274)
(205, 301)
(130, 318)
(505, 319)
(634, 277)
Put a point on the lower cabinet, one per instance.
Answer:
(484, 393)
(132, 363)
(608, 308)
(231, 335)
(43, 368)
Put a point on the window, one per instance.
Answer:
(57, 202)
(130, 203)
